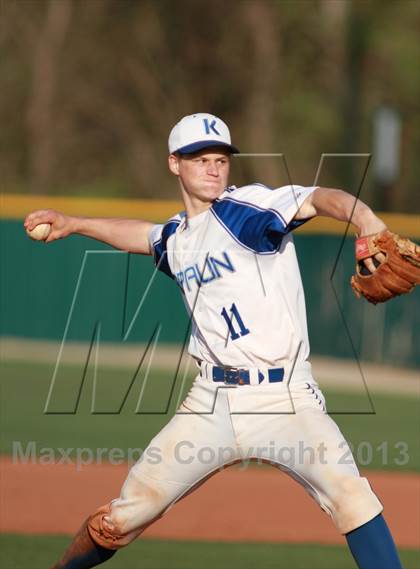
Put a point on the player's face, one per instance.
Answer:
(203, 175)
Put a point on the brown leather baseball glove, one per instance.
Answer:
(398, 273)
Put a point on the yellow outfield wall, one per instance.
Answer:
(17, 206)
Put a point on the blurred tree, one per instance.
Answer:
(357, 34)
(265, 89)
(47, 44)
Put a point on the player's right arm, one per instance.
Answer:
(130, 235)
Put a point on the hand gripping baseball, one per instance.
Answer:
(398, 273)
(61, 225)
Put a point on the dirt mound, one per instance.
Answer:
(258, 504)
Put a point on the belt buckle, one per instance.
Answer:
(231, 375)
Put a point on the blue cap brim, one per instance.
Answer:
(196, 146)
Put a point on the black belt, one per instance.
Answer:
(237, 376)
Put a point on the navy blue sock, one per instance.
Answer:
(372, 546)
(91, 558)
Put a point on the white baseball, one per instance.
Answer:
(40, 232)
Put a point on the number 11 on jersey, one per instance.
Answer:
(232, 319)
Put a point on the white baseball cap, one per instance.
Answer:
(201, 130)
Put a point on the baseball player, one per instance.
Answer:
(232, 256)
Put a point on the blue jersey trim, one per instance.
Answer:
(257, 229)
(297, 223)
(258, 208)
(160, 247)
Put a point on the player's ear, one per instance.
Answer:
(173, 163)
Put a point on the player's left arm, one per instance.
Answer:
(340, 205)
(393, 262)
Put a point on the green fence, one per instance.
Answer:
(41, 285)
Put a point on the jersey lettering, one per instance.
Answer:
(210, 271)
(243, 331)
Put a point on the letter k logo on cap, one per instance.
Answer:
(210, 126)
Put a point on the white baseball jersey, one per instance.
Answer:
(236, 266)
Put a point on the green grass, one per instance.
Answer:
(24, 390)
(38, 552)
(385, 439)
